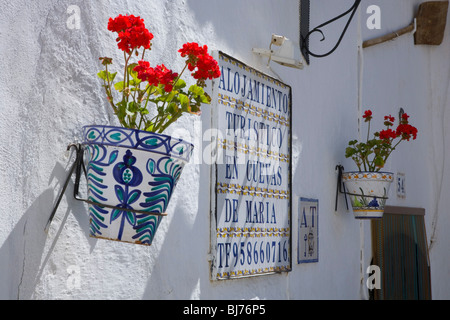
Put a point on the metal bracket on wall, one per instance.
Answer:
(340, 185)
(76, 166)
(305, 33)
(304, 28)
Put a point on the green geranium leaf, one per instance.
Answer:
(133, 106)
(135, 82)
(119, 86)
(379, 162)
(143, 111)
(184, 100)
(169, 96)
(112, 76)
(349, 152)
(205, 98)
(180, 84)
(131, 66)
(196, 90)
(172, 108)
(158, 90)
(102, 75)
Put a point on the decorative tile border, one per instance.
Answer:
(137, 139)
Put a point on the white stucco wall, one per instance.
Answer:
(49, 90)
(399, 74)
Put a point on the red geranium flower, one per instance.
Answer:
(407, 131)
(166, 77)
(144, 87)
(198, 57)
(146, 73)
(389, 120)
(192, 50)
(405, 117)
(156, 76)
(207, 68)
(132, 33)
(121, 23)
(367, 115)
(372, 154)
(387, 134)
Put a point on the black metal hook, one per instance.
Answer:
(340, 169)
(305, 39)
(76, 166)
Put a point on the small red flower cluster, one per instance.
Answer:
(155, 76)
(367, 115)
(372, 155)
(132, 33)
(198, 57)
(389, 120)
(388, 133)
(164, 89)
(404, 130)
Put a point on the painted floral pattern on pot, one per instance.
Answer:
(368, 192)
(133, 173)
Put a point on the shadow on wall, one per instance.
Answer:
(25, 253)
(181, 265)
(13, 251)
(54, 101)
(182, 256)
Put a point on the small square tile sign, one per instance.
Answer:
(308, 230)
(401, 185)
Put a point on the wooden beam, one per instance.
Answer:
(404, 210)
(388, 37)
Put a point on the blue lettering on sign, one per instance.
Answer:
(308, 231)
(253, 182)
(304, 222)
(237, 83)
(257, 211)
(231, 210)
(252, 252)
(253, 90)
(243, 128)
(267, 173)
(231, 169)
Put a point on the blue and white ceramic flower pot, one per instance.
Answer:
(368, 192)
(131, 177)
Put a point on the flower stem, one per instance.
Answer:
(159, 123)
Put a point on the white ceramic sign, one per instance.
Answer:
(308, 231)
(251, 188)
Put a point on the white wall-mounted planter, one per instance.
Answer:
(368, 192)
(131, 177)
